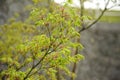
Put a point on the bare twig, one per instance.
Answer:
(95, 21)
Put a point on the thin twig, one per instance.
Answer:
(47, 53)
(90, 25)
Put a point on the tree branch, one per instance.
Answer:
(90, 25)
(84, 28)
(33, 67)
(81, 2)
(47, 52)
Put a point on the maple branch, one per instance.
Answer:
(99, 17)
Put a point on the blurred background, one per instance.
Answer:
(101, 42)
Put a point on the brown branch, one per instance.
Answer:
(33, 67)
(21, 66)
(74, 64)
(58, 74)
(47, 52)
(84, 28)
(90, 25)
(78, 39)
(47, 27)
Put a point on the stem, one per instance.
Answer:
(75, 65)
(78, 39)
(84, 28)
(90, 25)
(58, 74)
(28, 74)
(35, 66)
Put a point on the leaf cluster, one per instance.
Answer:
(41, 48)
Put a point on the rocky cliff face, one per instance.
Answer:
(3, 11)
(102, 45)
(8, 9)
